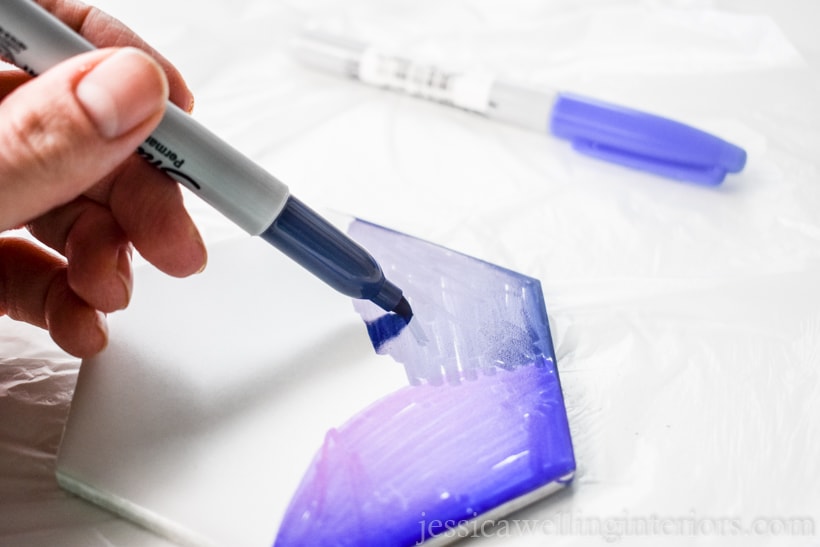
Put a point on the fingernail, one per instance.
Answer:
(122, 92)
(102, 333)
(203, 251)
(124, 272)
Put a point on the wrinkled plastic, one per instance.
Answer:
(685, 319)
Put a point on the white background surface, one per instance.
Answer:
(686, 320)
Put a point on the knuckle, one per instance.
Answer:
(39, 141)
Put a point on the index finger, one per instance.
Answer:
(103, 30)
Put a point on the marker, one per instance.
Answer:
(606, 131)
(35, 40)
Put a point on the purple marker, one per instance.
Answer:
(603, 130)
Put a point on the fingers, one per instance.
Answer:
(97, 250)
(147, 206)
(68, 128)
(102, 30)
(34, 288)
(144, 208)
(150, 209)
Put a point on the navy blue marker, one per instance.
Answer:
(255, 200)
(332, 256)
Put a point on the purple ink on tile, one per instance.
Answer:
(427, 458)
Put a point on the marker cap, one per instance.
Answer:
(644, 141)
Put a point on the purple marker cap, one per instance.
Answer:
(644, 141)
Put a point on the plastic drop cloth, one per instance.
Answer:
(686, 320)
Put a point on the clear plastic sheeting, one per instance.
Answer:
(686, 320)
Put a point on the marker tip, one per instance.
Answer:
(403, 309)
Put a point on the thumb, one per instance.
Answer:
(62, 132)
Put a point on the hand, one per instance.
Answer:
(68, 172)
